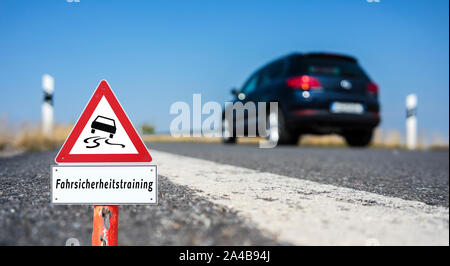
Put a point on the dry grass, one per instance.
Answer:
(325, 140)
(30, 138)
(6, 134)
(3, 144)
(438, 147)
(169, 138)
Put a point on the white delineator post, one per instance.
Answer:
(48, 84)
(411, 121)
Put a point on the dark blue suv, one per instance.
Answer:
(317, 93)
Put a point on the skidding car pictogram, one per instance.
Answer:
(104, 124)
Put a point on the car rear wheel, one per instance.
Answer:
(277, 131)
(358, 138)
(227, 135)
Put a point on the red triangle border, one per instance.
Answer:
(103, 89)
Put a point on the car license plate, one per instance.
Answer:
(348, 108)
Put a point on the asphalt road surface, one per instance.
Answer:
(212, 194)
(412, 175)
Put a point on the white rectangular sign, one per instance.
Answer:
(104, 185)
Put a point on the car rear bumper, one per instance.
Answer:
(318, 120)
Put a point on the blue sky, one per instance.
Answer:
(154, 53)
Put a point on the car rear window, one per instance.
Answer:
(104, 120)
(326, 66)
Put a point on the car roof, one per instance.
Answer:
(104, 118)
(307, 55)
(325, 55)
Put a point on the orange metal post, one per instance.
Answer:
(105, 227)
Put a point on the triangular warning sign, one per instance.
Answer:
(103, 134)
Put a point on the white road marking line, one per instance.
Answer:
(308, 213)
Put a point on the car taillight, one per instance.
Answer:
(372, 88)
(304, 82)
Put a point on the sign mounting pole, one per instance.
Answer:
(104, 163)
(105, 225)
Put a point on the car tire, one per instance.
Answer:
(227, 136)
(111, 135)
(358, 138)
(276, 125)
(92, 131)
